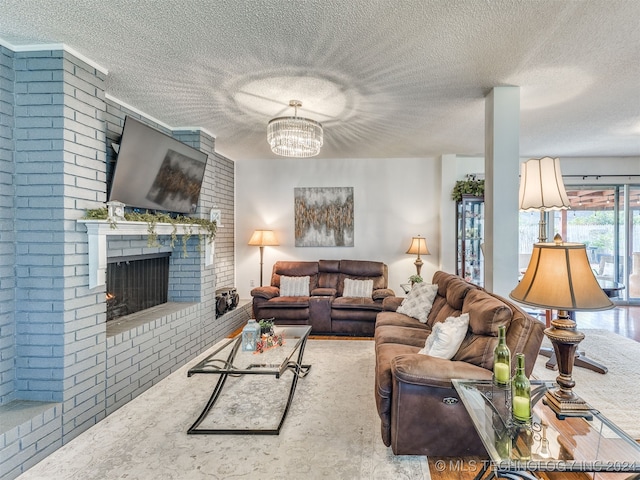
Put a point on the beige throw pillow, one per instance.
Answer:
(294, 286)
(446, 337)
(357, 288)
(419, 301)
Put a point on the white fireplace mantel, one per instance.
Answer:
(99, 230)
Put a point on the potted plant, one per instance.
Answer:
(415, 279)
(470, 186)
(266, 326)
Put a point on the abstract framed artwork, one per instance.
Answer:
(323, 216)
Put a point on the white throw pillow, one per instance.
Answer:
(446, 337)
(357, 288)
(419, 301)
(294, 286)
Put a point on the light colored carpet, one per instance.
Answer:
(332, 430)
(617, 393)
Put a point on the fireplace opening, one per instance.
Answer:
(135, 283)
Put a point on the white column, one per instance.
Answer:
(448, 177)
(502, 152)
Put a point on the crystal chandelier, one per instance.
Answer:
(294, 136)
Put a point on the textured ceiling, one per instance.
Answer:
(387, 78)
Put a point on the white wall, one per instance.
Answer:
(394, 200)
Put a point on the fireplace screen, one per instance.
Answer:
(136, 283)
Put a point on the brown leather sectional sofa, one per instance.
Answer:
(325, 309)
(420, 411)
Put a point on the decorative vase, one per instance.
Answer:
(501, 360)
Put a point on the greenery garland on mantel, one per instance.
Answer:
(152, 219)
(470, 186)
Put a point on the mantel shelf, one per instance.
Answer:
(99, 230)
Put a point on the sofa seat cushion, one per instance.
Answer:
(290, 302)
(356, 303)
(402, 335)
(434, 372)
(400, 320)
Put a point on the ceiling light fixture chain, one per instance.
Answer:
(295, 136)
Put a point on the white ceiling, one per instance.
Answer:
(387, 78)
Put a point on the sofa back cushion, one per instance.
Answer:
(329, 273)
(295, 269)
(451, 293)
(486, 314)
(362, 270)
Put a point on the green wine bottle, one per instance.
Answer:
(521, 393)
(501, 360)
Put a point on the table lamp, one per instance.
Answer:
(418, 246)
(263, 238)
(559, 277)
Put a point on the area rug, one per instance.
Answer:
(332, 430)
(615, 394)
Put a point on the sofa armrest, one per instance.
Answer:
(323, 292)
(382, 293)
(418, 369)
(391, 304)
(265, 292)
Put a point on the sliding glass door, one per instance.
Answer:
(607, 220)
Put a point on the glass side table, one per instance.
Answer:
(593, 444)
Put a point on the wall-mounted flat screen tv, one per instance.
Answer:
(155, 171)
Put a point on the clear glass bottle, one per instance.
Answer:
(501, 360)
(521, 393)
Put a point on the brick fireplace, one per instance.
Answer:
(58, 356)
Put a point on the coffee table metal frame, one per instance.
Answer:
(225, 367)
(488, 407)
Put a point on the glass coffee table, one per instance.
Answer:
(228, 360)
(575, 444)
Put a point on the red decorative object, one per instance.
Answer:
(269, 341)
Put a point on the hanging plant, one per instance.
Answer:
(152, 219)
(470, 186)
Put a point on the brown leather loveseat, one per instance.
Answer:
(324, 305)
(420, 411)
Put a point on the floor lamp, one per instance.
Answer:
(542, 189)
(263, 238)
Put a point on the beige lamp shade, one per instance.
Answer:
(263, 238)
(418, 246)
(559, 277)
(541, 186)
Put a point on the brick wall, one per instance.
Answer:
(56, 160)
(7, 238)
